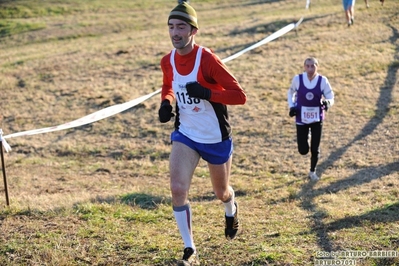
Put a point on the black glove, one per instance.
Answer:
(165, 112)
(195, 90)
(326, 105)
(292, 111)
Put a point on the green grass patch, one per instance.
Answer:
(9, 27)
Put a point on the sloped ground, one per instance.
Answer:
(98, 194)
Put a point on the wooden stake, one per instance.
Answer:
(4, 168)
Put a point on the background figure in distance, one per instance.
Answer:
(349, 7)
(202, 87)
(182, 1)
(309, 97)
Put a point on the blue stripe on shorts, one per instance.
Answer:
(215, 153)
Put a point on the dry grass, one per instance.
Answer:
(98, 194)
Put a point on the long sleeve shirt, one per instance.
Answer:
(204, 121)
(324, 86)
(224, 86)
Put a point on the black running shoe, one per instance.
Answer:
(189, 258)
(232, 225)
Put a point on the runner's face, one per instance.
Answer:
(181, 33)
(310, 68)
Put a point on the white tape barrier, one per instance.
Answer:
(104, 113)
(115, 109)
(4, 142)
(307, 4)
(270, 38)
(298, 23)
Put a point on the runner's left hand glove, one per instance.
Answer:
(326, 105)
(195, 90)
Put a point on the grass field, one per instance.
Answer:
(99, 194)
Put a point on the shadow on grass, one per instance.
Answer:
(144, 201)
(241, 4)
(267, 29)
(150, 202)
(383, 103)
(387, 214)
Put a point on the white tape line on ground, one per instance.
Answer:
(307, 4)
(299, 22)
(104, 113)
(270, 38)
(115, 109)
(4, 142)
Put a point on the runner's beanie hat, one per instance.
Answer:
(186, 13)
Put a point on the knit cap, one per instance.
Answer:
(186, 13)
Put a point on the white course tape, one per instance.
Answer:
(4, 142)
(299, 22)
(104, 113)
(307, 4)
(270, 38)
(112, 110)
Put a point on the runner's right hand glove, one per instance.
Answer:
(165, 112)
(195, 90)
(292, 111)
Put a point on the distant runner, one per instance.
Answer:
(309, 97)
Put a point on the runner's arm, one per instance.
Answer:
(327, 91)
(291, 94)
(227, 89)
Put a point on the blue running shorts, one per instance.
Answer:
(348, 3)
(215, 153)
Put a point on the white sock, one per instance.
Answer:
(229, 206)
(183, 219)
